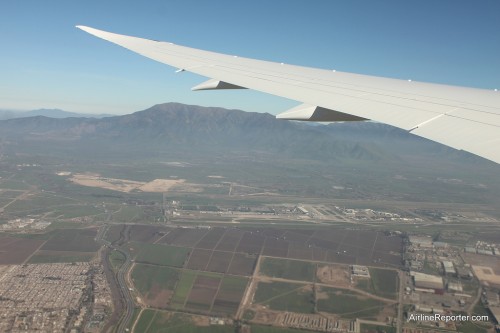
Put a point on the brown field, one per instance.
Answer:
(198, 259)
(159, 297)
(296, 236)
(230, 240)
(202, 293)
(189, 237)
(210, 240)
(114, 233)
(275, 247)
(320, 254)
(300, 251)
(335, 275)
(483, 260)
(251, 243)
(228, 298)
(486, 268)
(160, 185)
(146, 233)
(173, 235)
(242, 264)
(341, 246)
(124, 185)
(219, 262)
(74, 240)
(14, 251)
(486, 274)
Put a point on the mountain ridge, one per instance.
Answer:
(175, 127)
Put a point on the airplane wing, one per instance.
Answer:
(463, 118)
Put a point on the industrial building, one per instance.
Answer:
(448, 268)
(421, 241)
(361, 271)
(426, 282)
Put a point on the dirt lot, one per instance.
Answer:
(486, 274)
(335, 275)
(160, 185)
(124, 185)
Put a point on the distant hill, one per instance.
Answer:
(181, 129)
(52, 113)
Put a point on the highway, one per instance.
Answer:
(126, 296)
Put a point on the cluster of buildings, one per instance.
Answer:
(360, 271)
(24, 224)
(483, 248)
(441, 279)
(317, 323)
(374, 215)
(40, 296)
(50, 297)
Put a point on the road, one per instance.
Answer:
(399, 323)
(128, 301)
(126, 295)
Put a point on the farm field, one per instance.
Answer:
(157, 254)
(224, 249)
(75, 240)
(152, 321)
(382, 282)
(155, 283)
(348, 304)
(288, 269)
(207, 270)
(17, 250)
(60, 256)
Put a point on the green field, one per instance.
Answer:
(230, 294)
(163, 255)
(233, 283)
(165, 322)
(348, 304)
(113, 233)
(76, 240)
(144, 321)
(383, 282)
(284, 296)
(49, 258)
(116, 259)
(129, 214)
(368, 328)
(182, 289)
(151, 280)
(288, 269)
(470, 327)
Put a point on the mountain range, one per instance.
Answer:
(52, 113)
(179, 128)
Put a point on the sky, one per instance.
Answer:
(45, 62)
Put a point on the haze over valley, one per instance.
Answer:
(181, 218)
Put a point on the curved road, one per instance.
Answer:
(127, 297)
(128, 300)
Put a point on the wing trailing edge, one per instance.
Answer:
(463, 118)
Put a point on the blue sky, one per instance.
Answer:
(45, 62)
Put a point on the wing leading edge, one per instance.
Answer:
(462, 118)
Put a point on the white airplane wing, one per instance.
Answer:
(459, 117)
